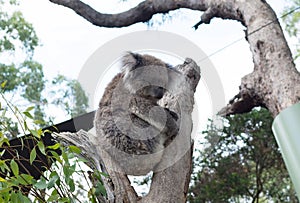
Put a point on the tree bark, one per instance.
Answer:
(274, 82)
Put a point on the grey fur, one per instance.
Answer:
(132, 128)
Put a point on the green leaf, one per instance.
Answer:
(53, 197)
(64, 200)
(2, 179)
(67, 172)
(41, 147)
(91, 195)
(13, 2)
(71, 185)
(54, 147)
(100, 189)
(32, 155)
(75, 149)
(4, 190)
(14, 167)
(29, 108)
(41, 184)
(48, 131)
(65, 157)
(53, 179)
(98, 174)
(39, 122)
(3, 166)
(56, 156)
(34, 133)
(3, 84)
(83, 160)
(3, 113)
(23, 198)
(27, 178)
(27, 114)
(25, 125)
(14, 198)
(4, 140)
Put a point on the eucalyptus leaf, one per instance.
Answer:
(32, 155)
(14, 167)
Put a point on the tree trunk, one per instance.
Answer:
(274, 82)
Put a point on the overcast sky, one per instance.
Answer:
(68, 40)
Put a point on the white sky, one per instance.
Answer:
(68, 40)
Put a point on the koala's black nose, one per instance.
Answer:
(151, 92)
(159, 92)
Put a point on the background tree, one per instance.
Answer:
(241, 162)
(274, 82)
(25, 83)
(25, 96)
(291, 22)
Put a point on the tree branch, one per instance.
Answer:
(207, 16)
(239, 104)
(89, 152)
(143, 12)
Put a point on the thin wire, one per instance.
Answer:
(249, 34)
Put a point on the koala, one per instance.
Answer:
(130, 124)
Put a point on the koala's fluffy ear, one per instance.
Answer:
(129, 62)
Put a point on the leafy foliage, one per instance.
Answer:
(66, 177)
(291, 21)
(241, 162)
(16, 31)
(74, 100)
(23, 84)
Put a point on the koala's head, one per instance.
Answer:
(145, 75)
